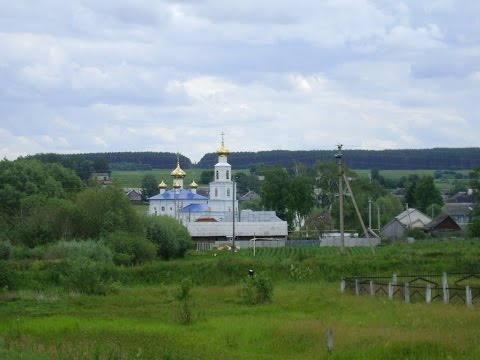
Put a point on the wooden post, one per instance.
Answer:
(394, 279)
(390, 291)
(406, 293)
(446, 295)
(372, 288)
(428, 294)
(468, 297)
(342, 285)
(329, 339)
(357, 287)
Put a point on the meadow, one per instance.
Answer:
(139, 319)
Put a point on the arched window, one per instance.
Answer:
(228, 174)
(217, 174)
(228, 192)
(216, 192)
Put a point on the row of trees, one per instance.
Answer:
(44, 203)
(290, 191)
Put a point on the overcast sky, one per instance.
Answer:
(150, 75)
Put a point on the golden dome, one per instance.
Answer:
(193, 184)
(178, 172)
(176, 185)
(222, 150)
(162, 185)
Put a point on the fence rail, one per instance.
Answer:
(451, 288)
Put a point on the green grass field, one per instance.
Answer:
(138, 321)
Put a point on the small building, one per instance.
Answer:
(250, 195)
(102, 178)
(442, 225)
(134, 195)
(410, 218)
(461, 213)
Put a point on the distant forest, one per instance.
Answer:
(409, 159)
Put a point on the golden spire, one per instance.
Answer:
(162, 185)
(193, 184)
(222, 150)
(178, 172)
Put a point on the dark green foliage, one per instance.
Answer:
(172, 238)
(130, 249)
(84, 276)
(256, 289)
(5, 250)
(184, 312)
(415, 233)
(290, 196)
(76, 250)
(149, 187)
(246, 182)
(105, 210)
(6, 277)
(206, 177)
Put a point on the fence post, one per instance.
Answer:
(446, 295)
(428, 294)
(329, 339)
(468, 297)
(390, 291)
(357, 287)
(342, 285)
(406, 293)
(372, 288)
(394, 279)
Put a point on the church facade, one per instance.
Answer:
(216, 217)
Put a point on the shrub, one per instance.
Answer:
(130, 249)
(257, 290)
(6, 277)
(184, 313)
(5, 250)
(172, 238)
(86, 249)
(84, 276)
(415, 233)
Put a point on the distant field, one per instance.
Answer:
(397, 174)
(134, 178)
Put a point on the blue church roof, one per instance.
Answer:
(195, 208)
(181, 194)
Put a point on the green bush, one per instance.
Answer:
(83, 249)
(256, 290)
(415, 233)
(130, 249)
(184, 313)
(5, 250)
(6, 277)
(84, 276)
(171, 237)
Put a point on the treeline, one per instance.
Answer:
(409, 159)
(86, 164)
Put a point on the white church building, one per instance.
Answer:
(215, 218)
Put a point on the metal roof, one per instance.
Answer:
(180, 194)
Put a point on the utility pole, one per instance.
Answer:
(369, 213)
(339, 156)
(233, 217)
(378, 216)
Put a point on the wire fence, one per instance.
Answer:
(447, 288)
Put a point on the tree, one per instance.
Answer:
(246, 182)
(171, 237)
(426, 193)
(291, 197)
(207, 176)
(388, 206)
(276, 193)
(327, 182)
(105, 210)
(149, 187)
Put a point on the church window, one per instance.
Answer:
(228, 192)
(216, 192)
(163, 208)
(217, 174)
(228, 174)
